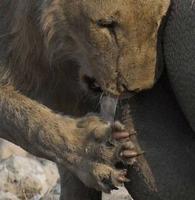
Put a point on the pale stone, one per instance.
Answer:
(8, 149)
(121, 194)
(7, 196)
(25, 178)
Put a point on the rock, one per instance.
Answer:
(7, 149)
(54, 194)
(26, 178)
(51, 172)
(121, 194)
(7, 196)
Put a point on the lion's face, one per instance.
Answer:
(115, 42)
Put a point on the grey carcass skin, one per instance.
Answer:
(163, 126)
(169, 143)
(179, 51)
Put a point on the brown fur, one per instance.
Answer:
(46, 47)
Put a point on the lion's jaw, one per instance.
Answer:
(114, 42)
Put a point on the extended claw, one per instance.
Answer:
(129, 154)
(120, 135)
(122, 177)
(123, 180)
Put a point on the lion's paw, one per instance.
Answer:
(95, 146)
(109, 143)
(102, 177)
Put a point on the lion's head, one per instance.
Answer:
(113, 41)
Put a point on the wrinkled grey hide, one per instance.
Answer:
(179, 51)
(169, 142)
(160, 114)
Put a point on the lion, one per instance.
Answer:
(57, 58)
